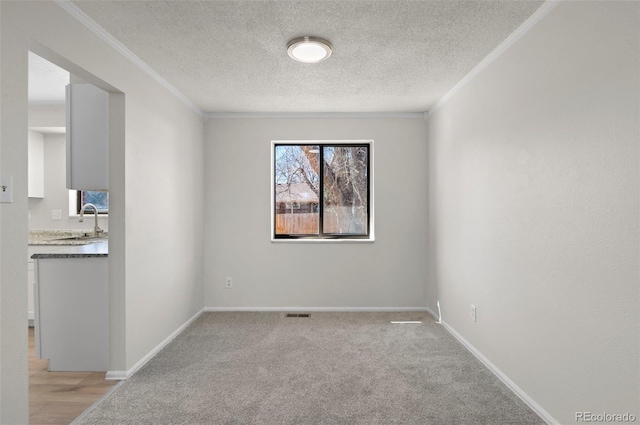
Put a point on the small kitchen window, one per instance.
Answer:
(98, 198)
(322, 190)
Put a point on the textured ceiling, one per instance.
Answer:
(389, 56)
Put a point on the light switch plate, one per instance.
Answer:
(6, 189)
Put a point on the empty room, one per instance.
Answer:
(320, 212)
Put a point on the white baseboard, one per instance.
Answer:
(432, 313)
(504, 378)
(317, 309)
(120, 375)
(124, 374)
(116, 375)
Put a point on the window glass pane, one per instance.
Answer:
(99, 199)
(345, 197)
(297, 184)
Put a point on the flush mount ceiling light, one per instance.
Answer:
(309, 49)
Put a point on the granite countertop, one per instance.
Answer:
(56, 237)
(43, 244)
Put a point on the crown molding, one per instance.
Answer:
(497, 52)
(547, 7)
(83, 18)
(277, 115)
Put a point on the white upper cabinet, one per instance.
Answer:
(36, 165)
(87, 137)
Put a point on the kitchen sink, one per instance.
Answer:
(81, 238)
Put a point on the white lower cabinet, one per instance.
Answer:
(71, 306)
(31, 281)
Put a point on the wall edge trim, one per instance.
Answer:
(93, 26)
(121, 375)
(533, 405)
(116, 375)
(312, 309)
(432, 313)
(282, 115)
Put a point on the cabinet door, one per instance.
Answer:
(31, 279)
(36, 165)
(72, 320)
(87, 137)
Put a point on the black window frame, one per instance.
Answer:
(79, 204)
(368, 236)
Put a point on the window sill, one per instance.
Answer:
(312, 240)
(88, 216)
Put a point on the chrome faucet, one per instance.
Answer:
(96, 230)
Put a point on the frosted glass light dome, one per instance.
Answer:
(309, 49)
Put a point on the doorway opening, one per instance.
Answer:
(54, 228)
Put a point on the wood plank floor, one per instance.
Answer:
(60, 397)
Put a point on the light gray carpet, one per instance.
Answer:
(331, 368)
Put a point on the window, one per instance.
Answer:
(322, 190)
(98, 198)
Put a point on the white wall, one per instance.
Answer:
(13, 234)
(47, 116)
(387, 273)
(534, 185)
(56, 195)
(155, 180)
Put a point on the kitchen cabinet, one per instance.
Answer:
(31, 281)
(87, 137)
(36, 165)
(71, 312)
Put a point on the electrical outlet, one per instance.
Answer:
(228, 282)
(56, 214)
(473, 312)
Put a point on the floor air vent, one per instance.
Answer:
(297, 315)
